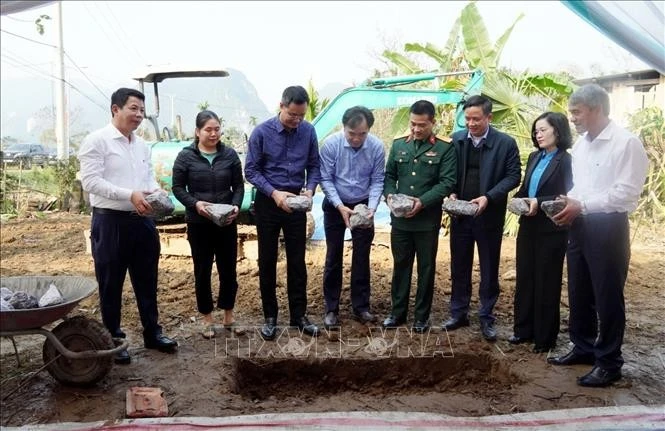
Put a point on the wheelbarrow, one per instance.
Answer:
(78, 351)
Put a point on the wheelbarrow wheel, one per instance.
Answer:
(79, 334)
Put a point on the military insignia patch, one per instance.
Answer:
(431, 154)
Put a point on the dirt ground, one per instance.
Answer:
(358, 369)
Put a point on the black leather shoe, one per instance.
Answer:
(122, 357)
(599, 377)
(420, 326)
(488, 331)
(269, 328)
(455, 323)
(573, 358)
(392, 322)
(330, 321)
(162, 343)
(305, 326)
(364, 317)
(514, 339)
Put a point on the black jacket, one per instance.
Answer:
(500, 172)
(556, 180)
(195, 179)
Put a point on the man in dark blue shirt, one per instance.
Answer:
(283, 156)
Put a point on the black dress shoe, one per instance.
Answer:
(420, 326)
(573, 358)
(455, 323)
(514, 339)
(488, 331)
(364, 317)
(162, 343)
(305, 326)
(122, 357)
(330, 321)
(599, 377)
(392, 322)
(269, 328)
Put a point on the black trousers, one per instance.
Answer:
(207, 242)
(122, 242)
(465, 232)
(335, 228)
(270, 220)
(598, 256)
(539, 258)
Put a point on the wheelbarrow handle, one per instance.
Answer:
(121, 344)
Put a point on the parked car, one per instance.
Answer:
(25, 155)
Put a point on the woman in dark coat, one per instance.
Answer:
(208, 172)
(541, 245)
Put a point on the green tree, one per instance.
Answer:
(316, 104)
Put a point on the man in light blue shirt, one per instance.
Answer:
(352, 173)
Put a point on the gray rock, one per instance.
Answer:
(5, 305)
(519, 206)
(161, 204)
(459, 207)
(219, 213)
(21, 301)
(51, 297)
(400, 204)
(361, 217)
(299, 203)
(5, 293)
(552, 208)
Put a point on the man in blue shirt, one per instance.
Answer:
(352, 173)
(283, 155)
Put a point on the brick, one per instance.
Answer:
(144, 402)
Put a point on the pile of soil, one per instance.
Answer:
(359, 368)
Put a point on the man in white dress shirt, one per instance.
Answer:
(117, 172)
(609, 169)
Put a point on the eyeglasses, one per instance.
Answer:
(542, 131)
(294, 116)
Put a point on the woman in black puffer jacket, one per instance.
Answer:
(208, 172)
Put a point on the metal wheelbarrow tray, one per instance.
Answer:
(79, 350)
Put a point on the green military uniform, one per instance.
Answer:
(426, 170)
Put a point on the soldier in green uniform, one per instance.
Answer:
(422, 166)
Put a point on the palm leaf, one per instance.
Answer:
(400, 122)
(404, 64)
(479, 50)
(429, 49)
(501, 42)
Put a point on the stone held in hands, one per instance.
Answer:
(459, 207)
(552, 208)
(519, 206)
(219, 213)
(361, 218)
(400, 204)
(299, 203)
(160, 203)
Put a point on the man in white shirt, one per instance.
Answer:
(117, 172)
(609, 169)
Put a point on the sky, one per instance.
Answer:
(277, 44)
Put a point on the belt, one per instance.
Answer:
(109, 211)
